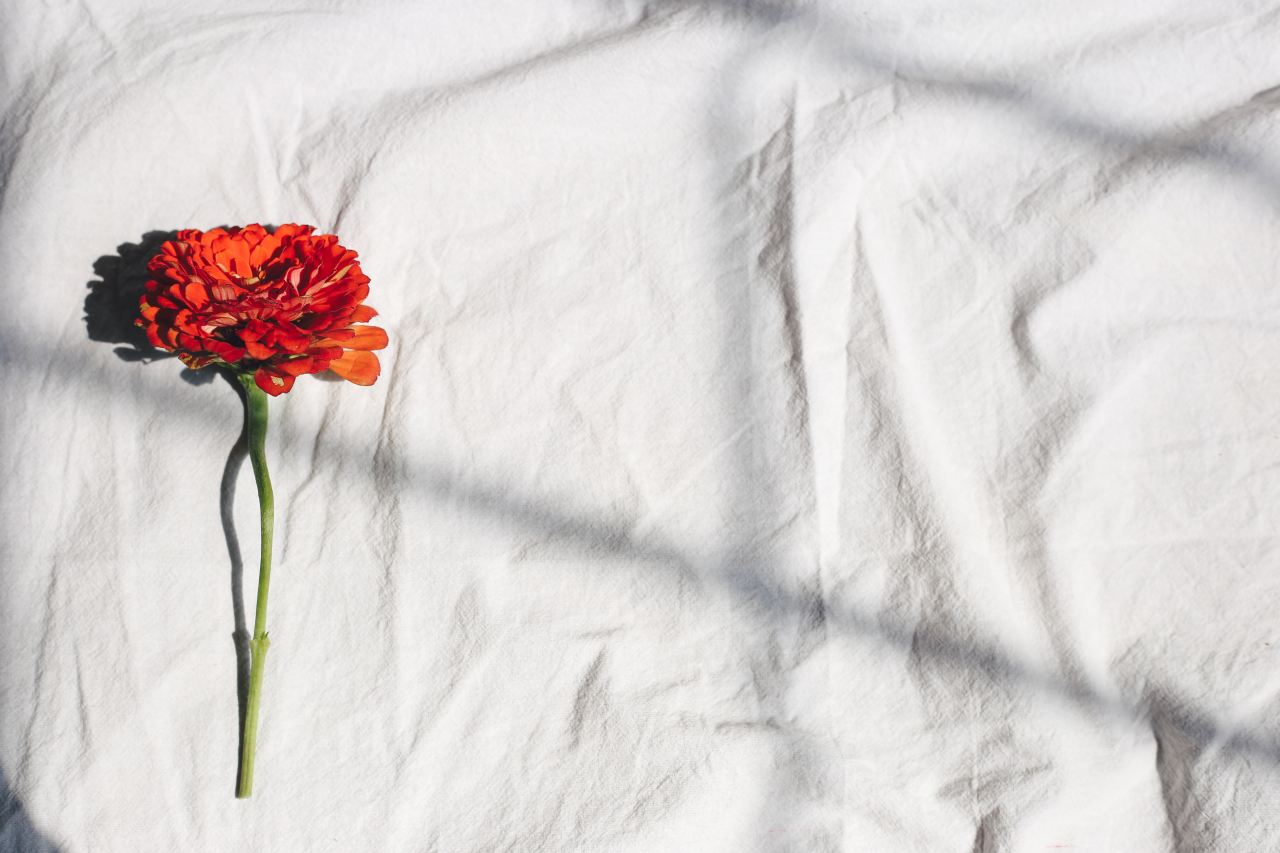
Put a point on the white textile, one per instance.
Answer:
(807, 427)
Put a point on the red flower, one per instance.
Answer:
(276, 304)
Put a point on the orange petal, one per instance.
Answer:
(367, 337)
(296, 366)
(357, 366)
(363, 314)
(262, 251)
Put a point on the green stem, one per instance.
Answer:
(256, 423)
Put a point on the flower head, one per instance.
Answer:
(275, 304)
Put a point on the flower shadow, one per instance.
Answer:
(110, 309)
(111, 305)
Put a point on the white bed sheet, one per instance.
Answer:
(845, 427)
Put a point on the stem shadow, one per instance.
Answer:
(226, 506)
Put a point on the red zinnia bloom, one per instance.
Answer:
(276, 304)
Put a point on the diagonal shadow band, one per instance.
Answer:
(1127, 153)
(748, 577)
(843, 44)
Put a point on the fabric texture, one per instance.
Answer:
(805, 427)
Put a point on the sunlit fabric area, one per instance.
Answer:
(804, 427)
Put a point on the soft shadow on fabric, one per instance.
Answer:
(17, 833)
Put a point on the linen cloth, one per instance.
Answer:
(806, 427)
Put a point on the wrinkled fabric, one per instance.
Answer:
(806, 427)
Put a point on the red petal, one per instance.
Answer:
(274, 384)
(196, 294)
(257, 350)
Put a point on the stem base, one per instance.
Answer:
(258, 648)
